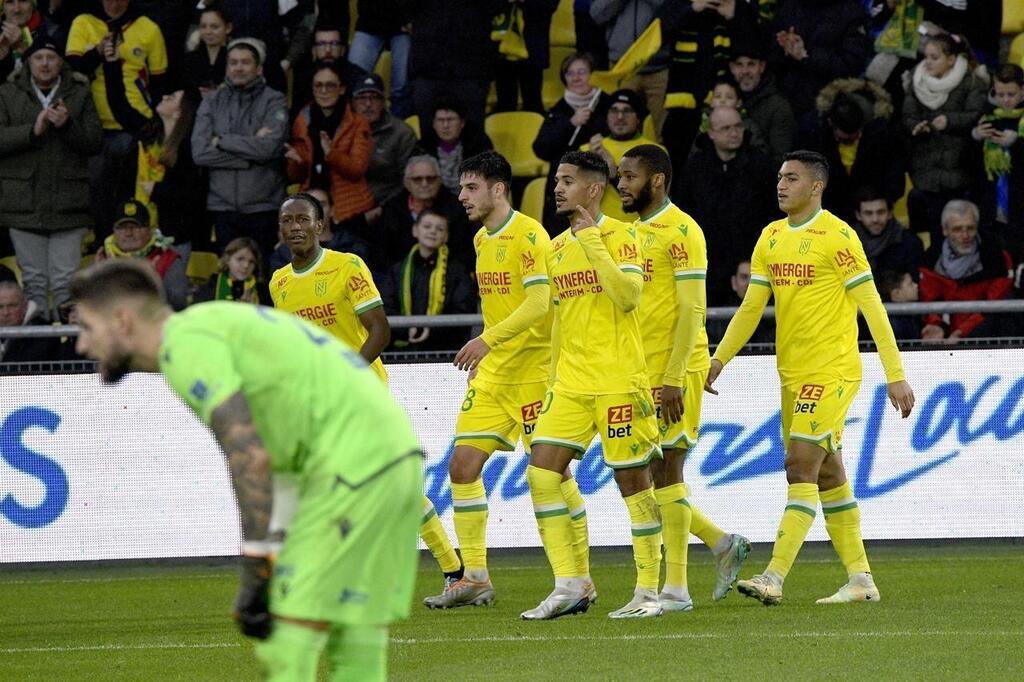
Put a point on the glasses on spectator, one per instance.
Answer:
(621, 111)
(424, 179)
(328, 43)
(577, 72)
(326, 86)
(446, 120)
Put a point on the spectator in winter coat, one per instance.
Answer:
(429, 281)
(767, 107)
(330, 148)
(964, 266)
(48, 131)
(18, 311)
(204, 67)
(887, 244)
(941, 108)
(22, 24)
(239, 135)
(452, 138)
(571, 122)
(393, 140)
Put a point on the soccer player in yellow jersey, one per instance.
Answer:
(599, 386)
(336, 291)
(672, 312)
(509, 365)
(814, 265)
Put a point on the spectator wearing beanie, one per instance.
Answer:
(23, 24)
(393, 140)
(48, 131)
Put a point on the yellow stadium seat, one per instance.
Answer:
(926, 239)
(563, 26)
(899, 209)
(532, 203)
(1017, 51)
(414, 123)
(383, 69)
(202, 264)
(1013, 17)
(513, 133)
(12, 263)
(648, 129)
(552, 87)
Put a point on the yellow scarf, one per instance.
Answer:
(112, 250)
(151, 169)
(436, 292)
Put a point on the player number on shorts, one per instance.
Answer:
(467, 404)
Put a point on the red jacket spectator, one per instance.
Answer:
(989, 283)
(347, 162)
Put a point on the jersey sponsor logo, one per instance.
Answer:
(679, 254)
(529, 262)
(281, 282)
(325, 273)
(627, 252)
(325, 314)
(649, 240)
(358, 283)
(620, 414)
(532, 238)
(494, 282)
(199, 391)
(845, 259)
(530, 412)
(648, 269)
(656, 397)
(811, 230)
(811, 391)
(799, 270)
(574, 284)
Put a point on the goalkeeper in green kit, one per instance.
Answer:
(285, 399)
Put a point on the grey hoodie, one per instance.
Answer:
(246, 171)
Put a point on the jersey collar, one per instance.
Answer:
(312, 266)
(805, 223)
(649, 218)
(511, 215)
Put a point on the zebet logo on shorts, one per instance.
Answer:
(530, 413)
(620, 414)
(810, 394)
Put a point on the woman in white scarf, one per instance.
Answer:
(944, 101)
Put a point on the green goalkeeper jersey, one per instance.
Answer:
(314, 401)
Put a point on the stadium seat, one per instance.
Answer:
(383, 69)
(563, 26)
(899, 209)
(513, 133)
(1017, 51)
(532, 203)
(12, 263)
(1013, 17)
(648, 129)
(552, 88)
(926, 239)
(202, 264)
(414, 123)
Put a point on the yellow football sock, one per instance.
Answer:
(580, 534)
(645, 525)
(842, 520)
(436, 539)
(801, 506)
(675, 530)
(553, 520)
(702, 526)
(470, 503)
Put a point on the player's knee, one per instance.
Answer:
(633, 480)
(803, 462)
(466, 464)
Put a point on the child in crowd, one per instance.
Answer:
(900, 287)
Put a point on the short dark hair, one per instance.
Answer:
(217, 8)
(846, 114)
(1009, 73)
(654, 159)
(813, 160)
(447, 104)
(113, 279)
(889, 280)
(491, 166)
(587, 162)
(584, 57)
(318, 208)
(333, 67)
(871, 193)
(431, 212)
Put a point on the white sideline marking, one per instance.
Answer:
(546, 638)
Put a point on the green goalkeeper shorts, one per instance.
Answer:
(350, 555)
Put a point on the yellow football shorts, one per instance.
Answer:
(494, 416)
(814, 411)
(625, 421)
(683, 434)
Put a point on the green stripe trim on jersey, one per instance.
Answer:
(805, 223)
(558, 442)
(645, 530)
(633, 463)
(685, 502)
(840, 508)
(546, 511)
(530, 281)
(760, 279)
(657, 212)
(691, 274)
(629, 267)
(816, 440)
(499, 228)
(683, 438)
(429, 515)
(801, 508)
(369, 305)
(469, 508)
(858, 280)
(483, 436)
(578, 514)
(312, 266)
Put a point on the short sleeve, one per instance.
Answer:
(360, 290)
(533, 264)
(759, 260)
(199, 367)
(156, 52)
(625, 250)
(78, 37)
(688, 252)
(848, 258)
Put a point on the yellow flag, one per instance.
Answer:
(632, 60)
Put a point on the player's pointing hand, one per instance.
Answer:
(902, 397)
(471, 354)
(583, 220)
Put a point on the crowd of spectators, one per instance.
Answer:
(156, 130)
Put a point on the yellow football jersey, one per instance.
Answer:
(611, 202)
(809, 268)
(142, 52)
(332, 292)
(509, 260)
(600, 347)
(673, 249)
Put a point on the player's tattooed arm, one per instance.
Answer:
(249, 463)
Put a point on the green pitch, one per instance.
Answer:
(946, 612)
